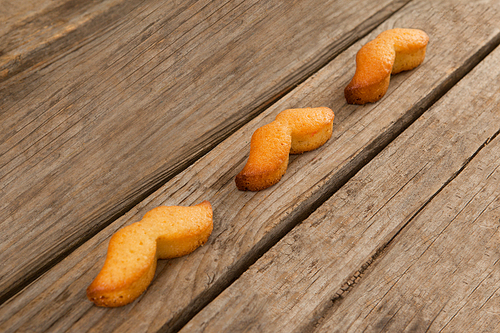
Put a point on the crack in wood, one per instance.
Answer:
(357, 276)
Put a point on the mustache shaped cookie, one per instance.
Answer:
(163, 233)
(393, 51)
(293, 132)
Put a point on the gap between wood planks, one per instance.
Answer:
(332, 51)
(362, 159)
(355, 278)
(48, 38)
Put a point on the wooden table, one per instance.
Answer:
(110, 108)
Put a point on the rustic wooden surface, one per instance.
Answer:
(292, 286)
(32, 32)
(138, 92)
(76, 106)
(441, 274)
(247, 224)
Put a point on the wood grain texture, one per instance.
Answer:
(294, 283)
(441, 274)
(247, 224)
(96, 129)
(34, 31)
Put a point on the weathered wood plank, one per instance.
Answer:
(33, 31)
(246, 224)
(446, 258)
(442, 273)
(88, 135)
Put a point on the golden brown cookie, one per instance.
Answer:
(163, 233)
(393, 51)
(293, 132)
